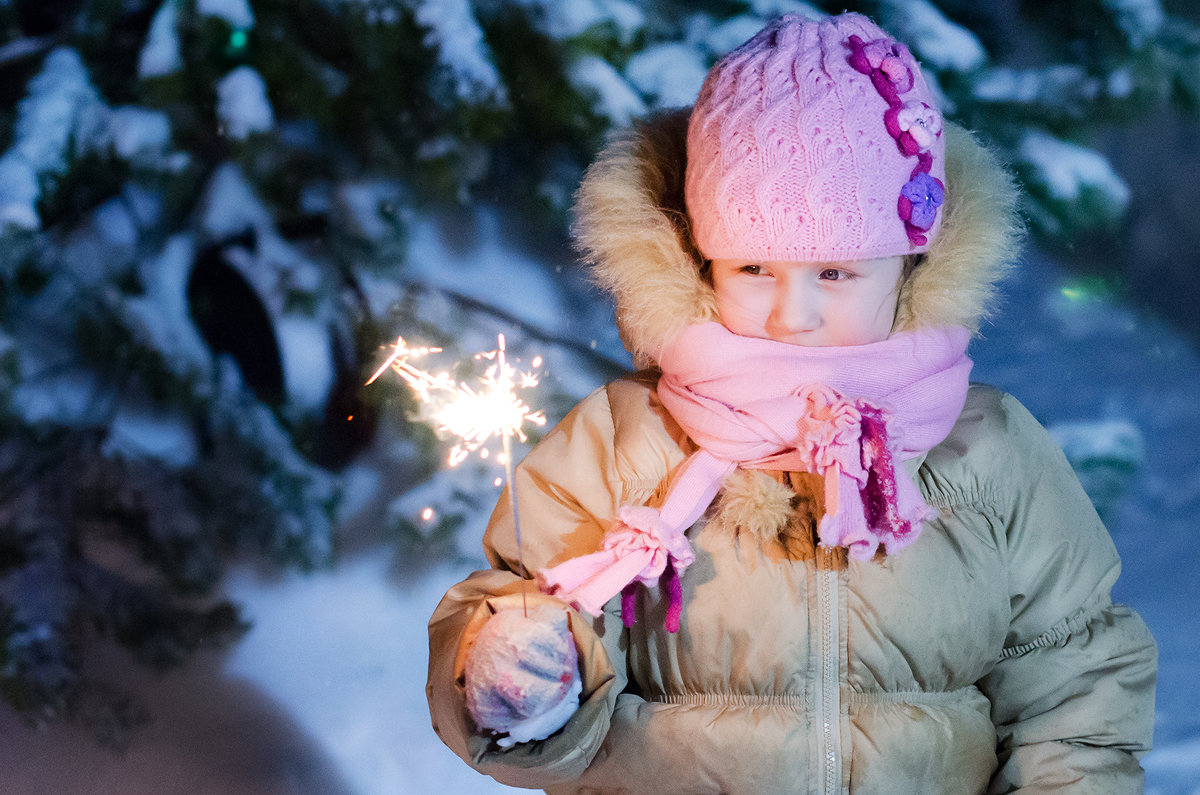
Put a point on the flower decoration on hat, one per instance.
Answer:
(920, 199)
(883, 60)
(914, 125)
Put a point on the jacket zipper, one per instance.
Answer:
(829, 706)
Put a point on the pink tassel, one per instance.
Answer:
(674, 587)
(879, 496)
(629, 604)
(893, 506)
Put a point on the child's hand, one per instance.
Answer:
(522, 674)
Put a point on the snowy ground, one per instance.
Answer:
(353, 672)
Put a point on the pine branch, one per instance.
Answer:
(604, 364)
(29, 47)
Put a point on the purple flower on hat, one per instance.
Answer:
(885, 62)
(920, 199)
(887, 55)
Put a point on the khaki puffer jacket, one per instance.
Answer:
(985, 657)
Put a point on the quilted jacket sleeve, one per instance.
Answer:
(1073, 692)
(569, 489)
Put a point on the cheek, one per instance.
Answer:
(874, 317)
(740, 311)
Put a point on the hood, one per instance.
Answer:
(631, 226)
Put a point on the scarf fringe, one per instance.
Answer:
(640, 548)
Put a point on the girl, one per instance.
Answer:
(798, 552)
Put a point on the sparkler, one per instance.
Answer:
(421, 381)
(473, 415)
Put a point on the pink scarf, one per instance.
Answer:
(845, 413)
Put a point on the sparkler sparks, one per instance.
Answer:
(474, 415)
(422, 382)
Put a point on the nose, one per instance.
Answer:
(795, 309)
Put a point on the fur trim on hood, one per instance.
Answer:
(631, 225)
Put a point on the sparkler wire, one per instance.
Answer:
(506, 447)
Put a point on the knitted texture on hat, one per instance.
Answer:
(815, 141)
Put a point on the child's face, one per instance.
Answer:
(809, 303)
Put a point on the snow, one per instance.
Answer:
(381, 291)
(242, 104)
(774, 8)
(101, 245)
(308, 371)
(137, 433)
(458, 39)
(160, 55)
(161, 316)
(938, 41)
(482, 268)
(466, 493)
(145, 204)
(61, 115)
(615, 98)
(1005, 84)
(1051, 85)
(236, 13)
(670, 73)
(1119, 441)
(1139, 20)
(18, 192)
(51, 396)
(1066, 170)
(364, 701)
(732, 33)
(566, 19)
(230, 205)
(60, 107)
(299, 492)
(114, 223)
(360, 208)
(134, 130)
(1119, 83)
(1174, 770)
(1106, 452)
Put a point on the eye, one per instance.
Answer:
(832, 274)
(753, 269)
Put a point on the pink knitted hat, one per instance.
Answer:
(815, 141)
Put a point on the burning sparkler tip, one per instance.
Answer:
(473, 414)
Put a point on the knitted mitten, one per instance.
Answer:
(522, 674)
